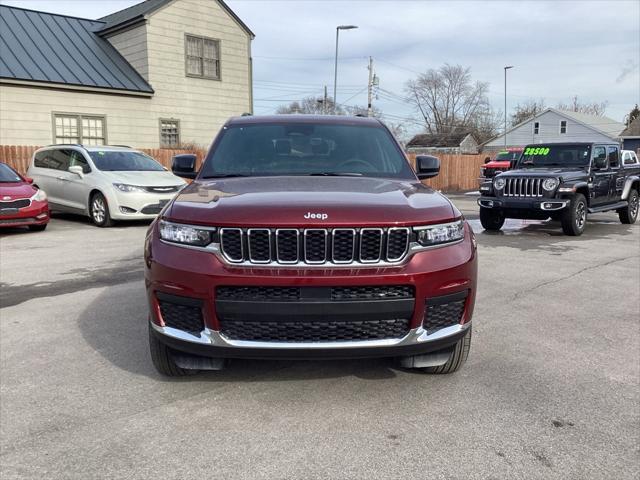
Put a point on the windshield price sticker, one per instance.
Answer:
(536, 151)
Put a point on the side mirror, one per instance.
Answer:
(29, 180)
(427, 166)
(600, 162)
(184, 165)
(77, 169)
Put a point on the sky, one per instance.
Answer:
(558, 48)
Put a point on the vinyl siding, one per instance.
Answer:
(549, 132)
(132, 45)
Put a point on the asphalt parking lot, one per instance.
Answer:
(551, 388)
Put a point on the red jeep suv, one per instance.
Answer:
(308, 237)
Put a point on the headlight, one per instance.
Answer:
(439, 234)
(550, 184)
(39, 196)
(499, 183)
(185, 234)
(123, 187)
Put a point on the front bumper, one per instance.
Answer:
(37, 213)
(540, 204)
(196, 274)
(137, 206)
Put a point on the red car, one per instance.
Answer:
(21, 204)
(504, 161)
(309, 237)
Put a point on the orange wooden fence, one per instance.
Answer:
(458, 173)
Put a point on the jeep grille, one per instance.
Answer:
(523, 187)
(314, 246)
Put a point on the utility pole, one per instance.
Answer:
(324, 102)
(370, 93)
(505, 104)
(335, 73)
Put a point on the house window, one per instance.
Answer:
(536, 128)
(202, 57)
(169, 133)
(563, 126)
(84, 129)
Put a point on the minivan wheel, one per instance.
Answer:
(629, 214)
(491, 219)
(574, 217)
(99, 211)
(162, 359)
(458, 356)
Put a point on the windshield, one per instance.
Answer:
(124, 161)
(507, 156)
(555, 155)
(7, 175)
(307, 149)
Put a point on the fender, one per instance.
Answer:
(628, 184)
(572, 188)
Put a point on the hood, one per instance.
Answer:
(14, 191)
(563, 173)
(145, 179)
(310, 201)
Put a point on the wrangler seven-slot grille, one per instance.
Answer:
(523, 187)
(314, 246)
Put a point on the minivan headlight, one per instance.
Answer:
(185, 234)
(439, 234)
(550, 184)
(39, 196)
(123, 187)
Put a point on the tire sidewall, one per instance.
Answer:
(633, 197)
(107, 218)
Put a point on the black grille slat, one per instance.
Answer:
(259, 245)
(314, 331)
(287, 246)
(441, 315)
(183, 317)
(315, 246)
(397, 243)
(344, 245)
(370, 245)
(277, 294)
(231, 240)
(21, 203)
(371, 292)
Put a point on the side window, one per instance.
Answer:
(59, 159)
(612, 153)
(77, 159)
(42, 159)
(599, 153)
(563, 126)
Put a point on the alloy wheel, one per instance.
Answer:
(633, 206)
(581, 215)
(98, 209)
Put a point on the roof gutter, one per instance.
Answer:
(81, 88)
(121, 27)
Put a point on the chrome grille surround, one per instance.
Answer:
(523, 187)
(315, 246)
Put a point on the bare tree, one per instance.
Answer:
(633, 114)
(448, 100)
(575, 105)
(310, 106)
(525, 111)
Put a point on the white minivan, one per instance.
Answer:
(106, 183)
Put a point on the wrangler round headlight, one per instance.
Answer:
(184, 234)
(499, 183)
(550, 184)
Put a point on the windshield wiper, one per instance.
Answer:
(225, 175)
(335, 174)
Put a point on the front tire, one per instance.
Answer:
(162, 359)
(629, 214)
(574, 217)
(458, 357)
(491, 219)
(99, 211)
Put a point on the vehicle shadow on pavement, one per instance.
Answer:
(115, 325)
(83, 219)
(546, 236)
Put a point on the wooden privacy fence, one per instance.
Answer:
(458, 173)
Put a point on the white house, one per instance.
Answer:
(554, 125)
(158, 74)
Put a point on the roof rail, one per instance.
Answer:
(122, 146)
(66, 145)
(246, 114)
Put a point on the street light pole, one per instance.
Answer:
(335, 72)
(505, 104)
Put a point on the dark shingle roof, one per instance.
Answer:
(633, 130)
(138, 11)
(442, 140)
(44, 47)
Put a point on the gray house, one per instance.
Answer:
(554, 125)
(158, 74)
(454, 143)
(631, 136)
